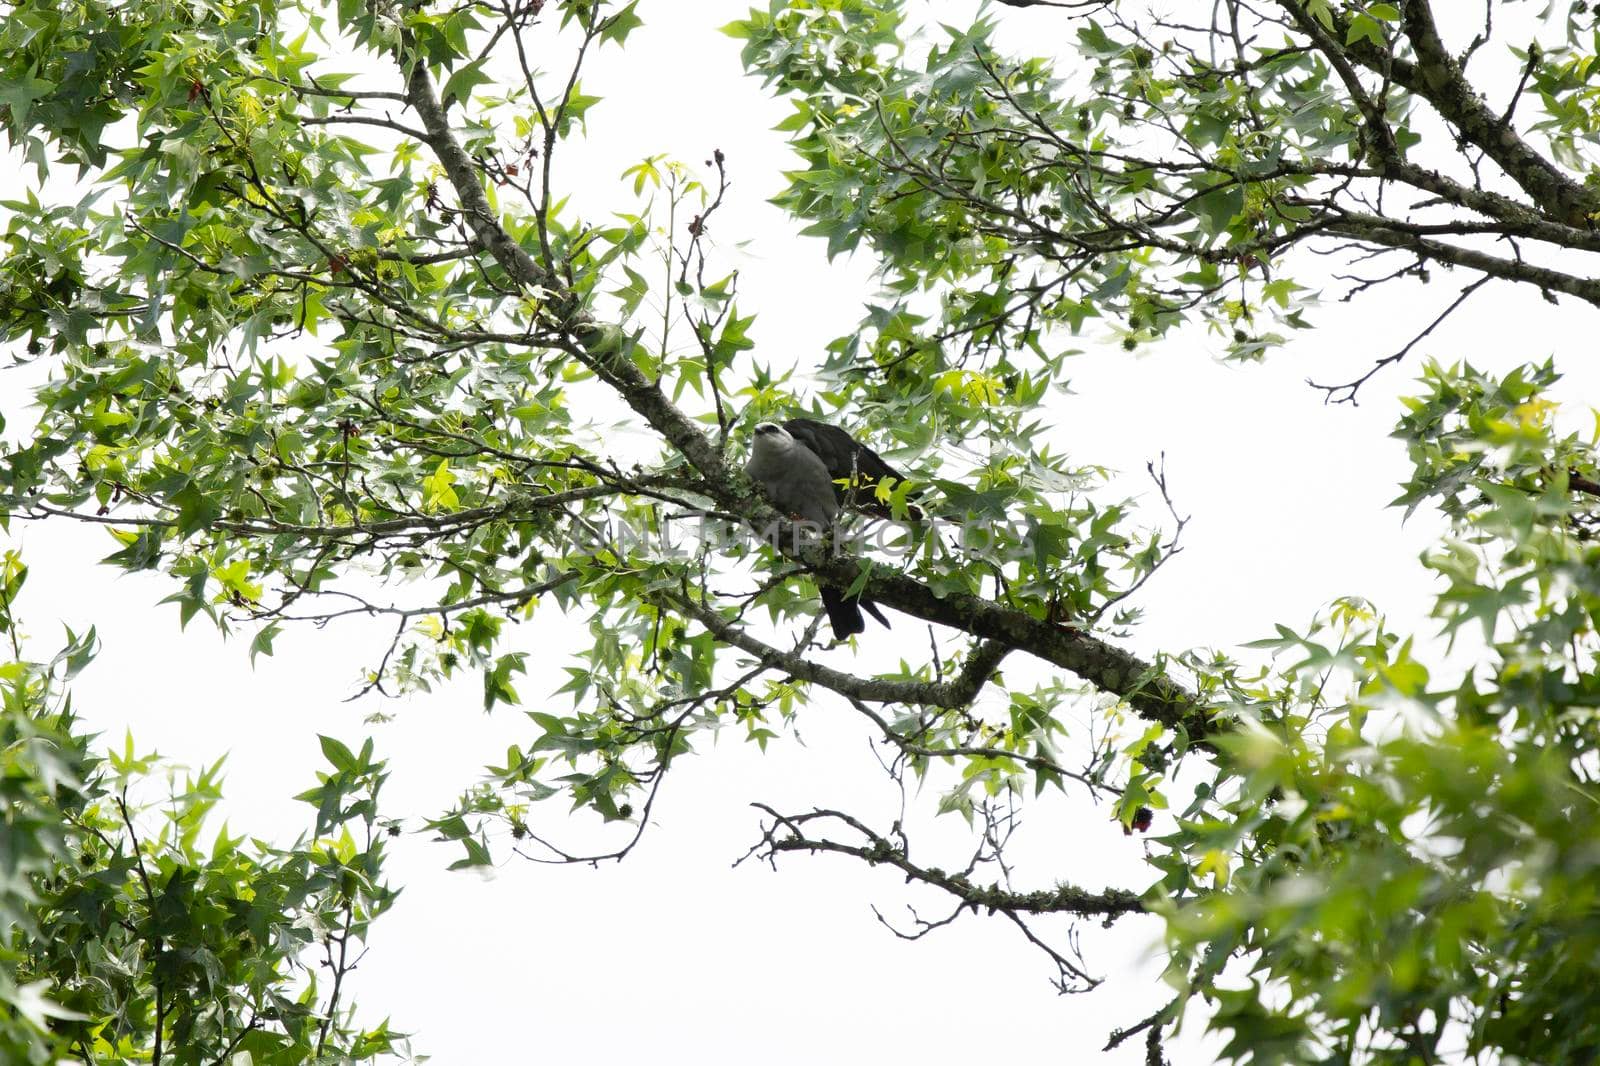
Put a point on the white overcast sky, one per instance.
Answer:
(673, 956)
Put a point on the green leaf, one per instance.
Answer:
(342, 758)
(1364, 28)
(617, 27)
(463, 80)
(262, 642)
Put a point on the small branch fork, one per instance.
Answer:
(1151, 1026)
(705, 325)
(1065, 5)
(1157, 469)
(1346, 393)
(795, 832)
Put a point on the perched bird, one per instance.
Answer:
(855, 468)
(800, 484)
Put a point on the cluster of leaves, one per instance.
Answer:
(976, 176)
(1162, 176)
(137, 933)
(1406, 853)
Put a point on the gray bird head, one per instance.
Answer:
(772, 438)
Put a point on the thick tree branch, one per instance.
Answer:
(1376, 230)
(1145, 686)
(1578, 483)
(601, 348)
(1437, 77)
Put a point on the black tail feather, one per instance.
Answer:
(872, 609)
(843, 612)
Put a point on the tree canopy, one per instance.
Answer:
(333, 330)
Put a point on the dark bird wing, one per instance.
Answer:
(855, 468)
